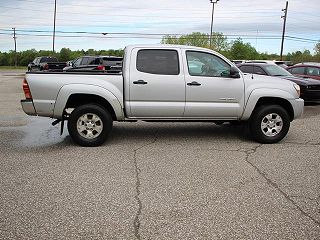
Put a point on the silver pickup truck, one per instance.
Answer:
(163, 83)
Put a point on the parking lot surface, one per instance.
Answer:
(155, 180)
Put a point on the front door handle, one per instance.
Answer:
(194, 83)
(140, 82)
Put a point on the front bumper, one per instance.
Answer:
(298, 106)
(311, 95)
(28, 108)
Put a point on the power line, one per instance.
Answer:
(124, 33)
(231, 37)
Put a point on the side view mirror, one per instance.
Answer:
(234, 72)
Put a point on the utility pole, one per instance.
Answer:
(54, 24)
(213, 2)
(15, 46)
(285, 10)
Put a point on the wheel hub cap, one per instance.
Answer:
(271, 124)
(89, 125)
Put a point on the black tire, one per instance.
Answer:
(105, 121)
(260, 114)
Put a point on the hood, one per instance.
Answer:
(267, 79)
(301, 81)
(254, 81)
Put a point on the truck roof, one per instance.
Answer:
(167, 46)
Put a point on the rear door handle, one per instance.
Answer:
(194, 83)
(140, 82)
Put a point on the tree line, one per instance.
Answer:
(239, 50)
(65, 54)
(236, 49)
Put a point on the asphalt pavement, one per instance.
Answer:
(155, 180)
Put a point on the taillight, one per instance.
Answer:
(46, 67)
(26, 89)
(101, 68)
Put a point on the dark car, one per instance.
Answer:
(96, 63)
(306, 70)
(46, 63)
(310, 88)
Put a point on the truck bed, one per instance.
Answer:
(46, 86)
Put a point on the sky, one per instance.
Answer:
(258, 22)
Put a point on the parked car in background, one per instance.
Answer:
(238, 61)
(306, 70)
(310, 88)
(46, 63)
(96, 63)
(283, 64)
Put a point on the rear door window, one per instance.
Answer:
(259, 70)
(312, 71)
(246, 69)
(85, 60)
(163, 62)
(298, 70)
(77, 62)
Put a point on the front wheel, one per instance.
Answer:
(89, 125)
(269, 124)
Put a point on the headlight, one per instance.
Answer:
(297, 88)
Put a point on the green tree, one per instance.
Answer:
(317, 48)
(65, 54)
(219, 41)
(241, 50)
(299, 56)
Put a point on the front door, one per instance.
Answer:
(210, 91)
(157, 86)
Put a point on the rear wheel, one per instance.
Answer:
(269, 124)
(89, 125)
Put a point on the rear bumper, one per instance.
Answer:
(298, 106)
(28, 108)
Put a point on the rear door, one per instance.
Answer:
(156, 82)
(313, 72)
(298, 71)
(210, 91)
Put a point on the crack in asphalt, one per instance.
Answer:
(136, 222)
(308, 143)
(273, 184)
(315, 199)
(248, 153)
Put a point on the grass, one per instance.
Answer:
(13, 68)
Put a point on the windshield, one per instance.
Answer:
(275, 70)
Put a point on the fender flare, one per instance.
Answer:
(256, 94)
(67, 90)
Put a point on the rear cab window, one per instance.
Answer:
(48, 59)
(158, 61)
